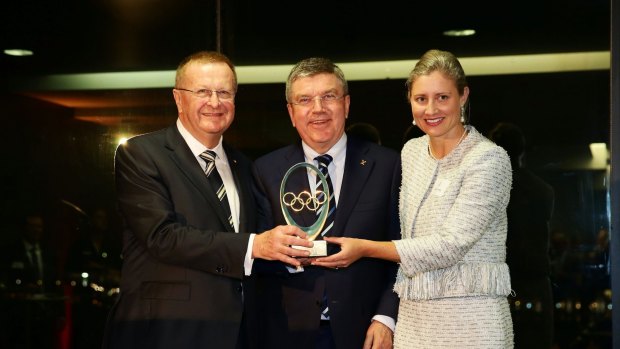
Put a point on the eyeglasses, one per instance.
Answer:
(206, 93)
(324, 99)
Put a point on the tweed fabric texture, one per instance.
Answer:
(459, 322)
(453, 224)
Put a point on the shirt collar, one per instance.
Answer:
(195, 146)
(336, 151)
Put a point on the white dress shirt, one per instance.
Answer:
(223, 168)
(336, 168)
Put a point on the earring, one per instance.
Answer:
(462, 114)
(413, 122)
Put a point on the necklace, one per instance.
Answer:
(430, 149)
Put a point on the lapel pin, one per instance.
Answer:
(363, 162)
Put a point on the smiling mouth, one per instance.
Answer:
(319, 122)
(434, 121)
(211, 114)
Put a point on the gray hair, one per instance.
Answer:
(311, 67)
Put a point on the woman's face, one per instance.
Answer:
(436, 105)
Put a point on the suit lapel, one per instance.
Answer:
(357, 169)
(245, 201)
(182, 156)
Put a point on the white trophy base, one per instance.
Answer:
(318, 250)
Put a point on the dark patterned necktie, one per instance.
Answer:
(216, 182)
(324, 161)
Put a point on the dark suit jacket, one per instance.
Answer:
(289, 304)
(16, 265)
(182, 275)
(527, 255)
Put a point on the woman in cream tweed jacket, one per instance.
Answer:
(453, 279)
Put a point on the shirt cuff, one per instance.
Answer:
(249, 261)
(386, 320)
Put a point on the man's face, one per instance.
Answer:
(320, 123)
(206, 118)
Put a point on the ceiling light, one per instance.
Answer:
(18, 52)
(459, 32)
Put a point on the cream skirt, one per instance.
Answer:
(466, 322)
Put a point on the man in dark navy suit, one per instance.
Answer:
(317, 307)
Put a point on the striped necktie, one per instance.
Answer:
(324, 161)
(216, 182)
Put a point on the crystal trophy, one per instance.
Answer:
(295, 203)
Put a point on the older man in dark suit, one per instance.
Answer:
(344, 306)
(188, 247)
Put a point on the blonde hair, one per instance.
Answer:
(437, 60)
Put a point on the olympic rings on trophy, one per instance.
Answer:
(304, 200)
